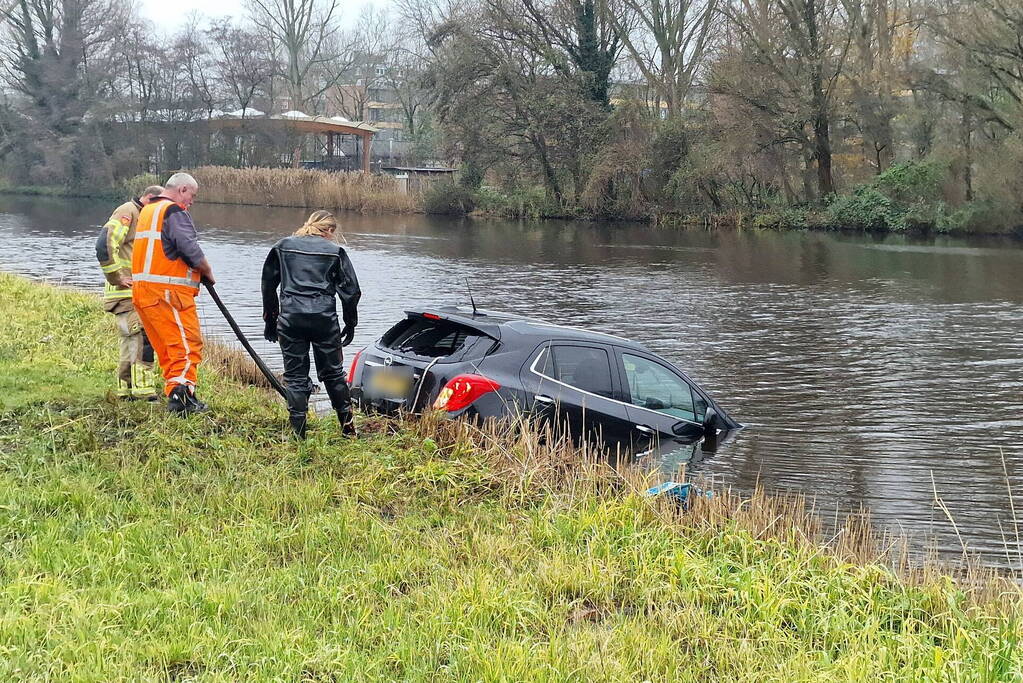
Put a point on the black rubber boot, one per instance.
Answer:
(347, 422)
(183, 402)
(298, 423)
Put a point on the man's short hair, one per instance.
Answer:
(152, 191)
(180, 180)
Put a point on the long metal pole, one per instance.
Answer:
(274, 382)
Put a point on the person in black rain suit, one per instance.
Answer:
(310, 268)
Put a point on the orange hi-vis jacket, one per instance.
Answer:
(164, 294)
(149, 263)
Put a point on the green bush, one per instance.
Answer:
(132, 187)
(913, 181)
(865, 209)
(470, 176)
(793, 218)
(979, 216)
(529, 202)
(449, 199)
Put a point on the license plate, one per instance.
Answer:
(391, 383)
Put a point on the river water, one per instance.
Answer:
(869, 370)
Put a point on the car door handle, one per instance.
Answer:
(542, 398)
(645, 430)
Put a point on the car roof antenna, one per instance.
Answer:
(471, 300)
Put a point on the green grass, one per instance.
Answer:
(134, 545)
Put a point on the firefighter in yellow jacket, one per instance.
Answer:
(135, 375)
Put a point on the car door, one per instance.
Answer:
(663, 407)
(572, 386)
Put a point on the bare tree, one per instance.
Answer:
(990, 35)
(307, 33)
(242, 62)
(668, 41)
(884, 33)
(801, 46)
(194, 54)
(404, 78)
(360, 64)
(577, 38)
(55, 55)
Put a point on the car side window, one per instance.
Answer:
(655, 387)
(581, 367)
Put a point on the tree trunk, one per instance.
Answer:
(809, 192)
(967, 142)
(822, 139)
(822, 152)
(550, 177)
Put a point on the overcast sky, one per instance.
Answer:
(171, 14)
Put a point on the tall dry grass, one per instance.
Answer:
(533, 464)
(234, 363)
(304, 188)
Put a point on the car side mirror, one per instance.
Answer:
(687, 430)
(712, 421)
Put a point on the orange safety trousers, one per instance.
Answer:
(171, 321)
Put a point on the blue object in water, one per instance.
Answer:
(678, 490)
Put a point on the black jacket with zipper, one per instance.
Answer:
(310, 271)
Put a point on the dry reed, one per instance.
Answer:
(530, 464)
(304, 188)
(527, 464)
(233, 363)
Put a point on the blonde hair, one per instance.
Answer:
(320, 223)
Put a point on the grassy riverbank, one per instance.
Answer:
(139, 546)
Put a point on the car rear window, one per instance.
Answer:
(430, 338)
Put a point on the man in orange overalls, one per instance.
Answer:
(167, 266)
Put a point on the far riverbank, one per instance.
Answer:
(875, 208)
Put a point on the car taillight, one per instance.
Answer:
(355, 362)
(462, 390)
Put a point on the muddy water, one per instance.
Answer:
(870, 370)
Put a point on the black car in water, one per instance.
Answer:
(487, 364)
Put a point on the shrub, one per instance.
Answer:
(529, 202)
(470, 176)
(979, 216)
(792, 218)
(865, 209)
(132, 187)
(448, 198)
(913, 181)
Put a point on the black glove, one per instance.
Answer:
(347, 334)
(270, 328)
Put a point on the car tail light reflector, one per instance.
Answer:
(431, 316)
(355, 363)
(462, 390)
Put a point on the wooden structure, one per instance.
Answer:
(315, 125)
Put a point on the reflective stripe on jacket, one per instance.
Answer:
(149, 263)
(114, 249)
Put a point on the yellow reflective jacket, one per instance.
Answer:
(113, 250)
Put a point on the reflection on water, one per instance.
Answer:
(869, 370)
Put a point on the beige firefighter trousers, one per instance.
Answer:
(135, 376)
